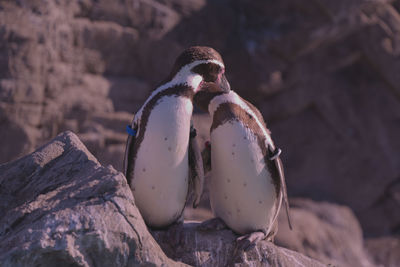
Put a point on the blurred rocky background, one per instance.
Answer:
(325, 74)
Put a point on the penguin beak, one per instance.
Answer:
(224, 84)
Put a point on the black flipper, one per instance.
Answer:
(274, 156)
(206, 156)
(196, 171)
(130, 144)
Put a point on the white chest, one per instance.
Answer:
(241, 188)
(161, 169)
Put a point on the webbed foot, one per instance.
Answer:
(249, 241)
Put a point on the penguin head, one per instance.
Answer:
(208, 63)
(204, 61)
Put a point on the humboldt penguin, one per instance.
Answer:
(162, 158)
(247, 183)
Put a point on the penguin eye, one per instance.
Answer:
(209, 71)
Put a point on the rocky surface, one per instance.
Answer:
(324, 75)
(384, 250)
(324, 231)
(60, 207)
(218, 248)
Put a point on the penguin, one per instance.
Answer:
(247, 183)
(162, 159)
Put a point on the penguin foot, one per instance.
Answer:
(249, 241)
(214, 224)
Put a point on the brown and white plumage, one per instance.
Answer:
(161, 156)
(247, 178)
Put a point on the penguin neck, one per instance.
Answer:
(231, 96)
(186, 82)
(234, 98)
(186, 78)
(192, 80)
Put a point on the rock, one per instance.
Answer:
(385, 208)
(15, 138)
(60, 207)
(127, 93)
(115, 121)
(188, 244)
(149, 17)
(112, 154)
(327, 232)
(384, 250)
(104, 135)
(114, 43)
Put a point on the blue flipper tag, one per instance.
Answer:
(130, 131)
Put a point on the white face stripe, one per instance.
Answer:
(183, 76)
(233, 97)
(186, 76)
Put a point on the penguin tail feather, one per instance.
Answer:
(288, 216)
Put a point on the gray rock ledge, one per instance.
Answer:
(60, 207)
(195, 247)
